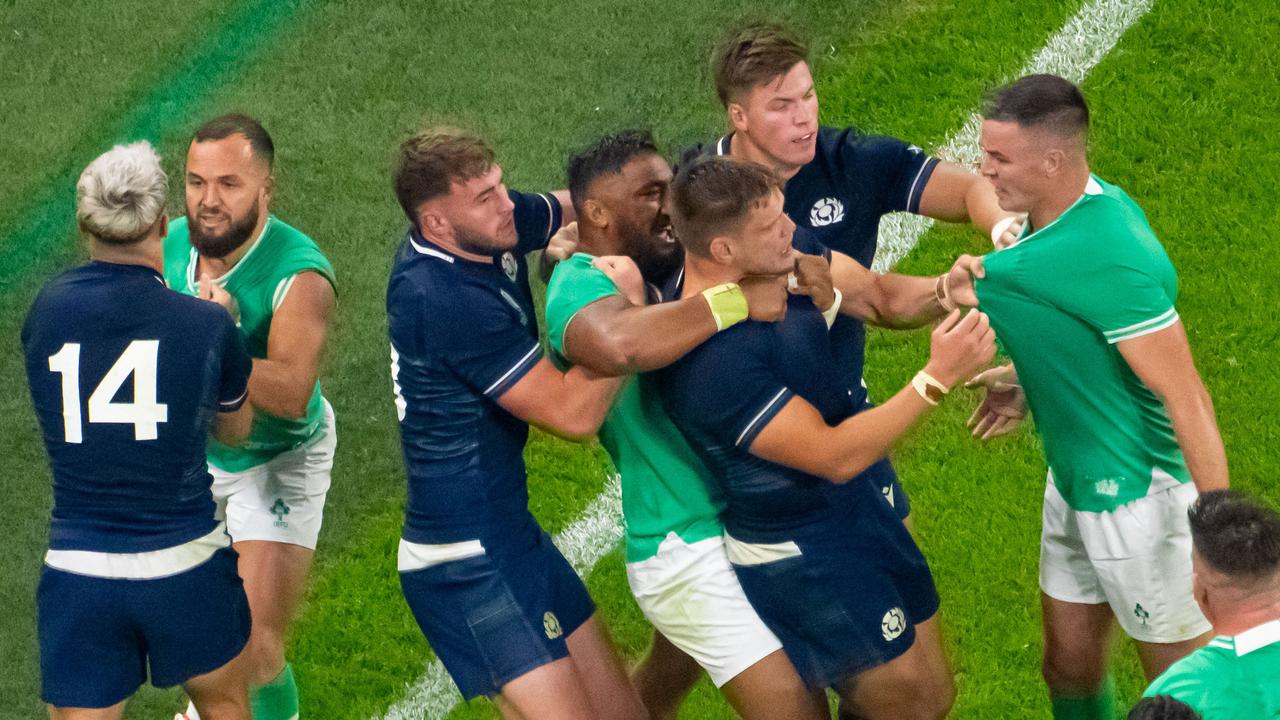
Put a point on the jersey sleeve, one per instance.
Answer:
(233, 385)
(538, 217)
(1117, 292)
(897, 170)
(730, 391)
(574, 284)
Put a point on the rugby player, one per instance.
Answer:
(1084, 306)
(675, 558)
(502, 608)
(1236, 578)
(823, 559)
(140, 577)
(272, 489)
(838, 183)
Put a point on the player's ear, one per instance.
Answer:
(164, 225)
(721, 250)
(737, 116)
(596, 213)
(432, 223)
(1053, 162)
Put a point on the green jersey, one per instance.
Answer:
(1232, 678)
(258, 283)
(1059, 300)
(665, 488)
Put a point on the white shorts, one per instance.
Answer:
(1136, 558)
(281, 500)
(691, 595)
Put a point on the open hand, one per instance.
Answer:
(1002, 408)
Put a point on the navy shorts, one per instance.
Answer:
(852, 597)
(98, 636)
(494, 617)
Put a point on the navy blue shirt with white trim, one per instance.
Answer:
(462, 333)
(126, 375)
(839, 197)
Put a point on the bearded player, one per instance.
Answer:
(272, 489)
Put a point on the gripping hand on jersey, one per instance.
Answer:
(210, 290)
(1004, 406)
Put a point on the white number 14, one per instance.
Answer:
(144, 413)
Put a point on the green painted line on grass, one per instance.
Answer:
(161, 108)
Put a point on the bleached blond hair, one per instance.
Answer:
(122, 193)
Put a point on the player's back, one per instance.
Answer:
(125, 376)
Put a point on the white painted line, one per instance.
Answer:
(583, 543)
(1081, 43)
(1071, 52)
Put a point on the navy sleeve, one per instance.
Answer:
(538, 217)
(727, 389)
(897, 171)
(804, 241)
(233, 386)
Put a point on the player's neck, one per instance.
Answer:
(217, 267)
(1247, 617)
(700, 274)
(596, 241)
(1066, 193)
(742, 147)
(148, 253)
(452, 247)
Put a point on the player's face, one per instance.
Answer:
(637, 201)
(227, 192)
(481, 214)
(763, 246)
(781, 117)
(1014, 163)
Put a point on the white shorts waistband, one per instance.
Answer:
(144, 565)
(415, 556)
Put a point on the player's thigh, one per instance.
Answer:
(549, 692)
(109, 713)
(90, 652)
(222, 693)
(601, 670)
(915, 685)
(691, 594)
(1077, 644)
(1142, 554)
(770, 689)
(275, 576)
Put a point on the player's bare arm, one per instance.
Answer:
(283, 381)
(954, 194)
(231, 428)
(1162, 361)
(613, 336)
(568, 404)
(903, 301)
(798, 437)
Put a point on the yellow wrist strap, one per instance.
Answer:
(728, 304)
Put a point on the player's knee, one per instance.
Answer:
(1072, 672)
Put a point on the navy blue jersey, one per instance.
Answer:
(462, 333)
(725, 391)
(840, 196)
(126, 375)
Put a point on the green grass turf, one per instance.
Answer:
(1180, 107)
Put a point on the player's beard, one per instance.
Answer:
(221, 245)
(654, 249)
(479, 244)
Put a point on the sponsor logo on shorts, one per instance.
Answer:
(826, 211)
(551, 625)
(893, 624)
(280, 509)
(1141, 613)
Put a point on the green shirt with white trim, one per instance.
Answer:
(259, 283)
(665, 487)
(1232, 678)
(1059, 300)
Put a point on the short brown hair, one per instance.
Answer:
(753, 55)
(714, 195)
(1043, 101)
(224, 126)
(432, 160)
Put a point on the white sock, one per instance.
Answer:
(191, 711)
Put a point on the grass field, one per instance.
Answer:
(1184, 107)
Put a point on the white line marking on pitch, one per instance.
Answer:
(1071, 52)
